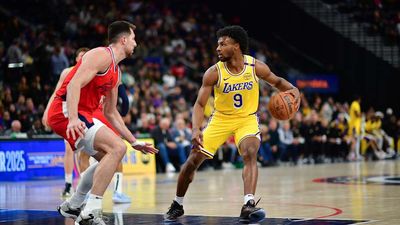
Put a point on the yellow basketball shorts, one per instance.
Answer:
(220, 127)
(354, 128)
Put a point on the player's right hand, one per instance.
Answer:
(75, 128)
(197, 139)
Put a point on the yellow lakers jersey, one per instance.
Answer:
(237, 94)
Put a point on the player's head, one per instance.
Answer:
(122, 33)
(231, 40)
(80, 52)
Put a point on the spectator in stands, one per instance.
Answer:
(13, 60)
(5, 121)
(23, 87)
(15, 130)
(316, 137)
(182, 136)
(265, 151)
(37, 128)
(165, 144)
(274, 139)
(372, 125)
(287, 144)
(58, 63)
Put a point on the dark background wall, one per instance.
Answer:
(321, 50)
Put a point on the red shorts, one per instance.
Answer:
(58, 121)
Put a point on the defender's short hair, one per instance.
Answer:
(117, 28)
(83, 49)
(238, 34)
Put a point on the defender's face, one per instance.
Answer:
(79, 56)
(225, 49)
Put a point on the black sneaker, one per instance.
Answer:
(65, 210)
(174, 212)
(251, 214)
(67, 192)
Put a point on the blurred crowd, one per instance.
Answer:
(380, 17)
(175, 46)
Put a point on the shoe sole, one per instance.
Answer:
(254, 217)
(121, 202)
(169, 221)
(66, 215)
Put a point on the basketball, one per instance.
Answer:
(282, 106)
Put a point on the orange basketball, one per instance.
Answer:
(282, 106)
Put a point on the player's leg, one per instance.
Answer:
(111, 150)
(186, 176)
(83, 162)
(247, 138)
(118, 195)
(68, 169)
(214, 136)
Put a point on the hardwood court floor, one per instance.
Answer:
(366, 192)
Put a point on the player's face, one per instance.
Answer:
(79, 56)
(130, 43)
(225, 49)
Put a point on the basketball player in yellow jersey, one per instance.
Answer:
(234, 80)
(355, 128)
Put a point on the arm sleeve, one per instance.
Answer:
(124, 100)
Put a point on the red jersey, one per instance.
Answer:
(91, 93)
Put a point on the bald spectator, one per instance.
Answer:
(164, 143)
(182, 136)
(15, 130)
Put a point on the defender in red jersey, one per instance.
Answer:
(71, 116)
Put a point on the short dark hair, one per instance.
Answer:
(83, 49)
(238, 34)
(117, 28)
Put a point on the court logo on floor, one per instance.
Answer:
(377, 180)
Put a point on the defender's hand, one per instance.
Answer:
(144, 147)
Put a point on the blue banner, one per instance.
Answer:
(22, 160)
(317, 83)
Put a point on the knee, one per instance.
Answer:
(250, 154)
(119, 149)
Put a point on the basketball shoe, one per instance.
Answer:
(95, 217)
(174, 212)
(67, 211)
(250, 213)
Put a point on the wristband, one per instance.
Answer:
(137, 143)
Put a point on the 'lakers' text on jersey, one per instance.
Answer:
(237, 94)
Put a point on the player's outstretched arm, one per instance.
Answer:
(112, 115)
(210, 79)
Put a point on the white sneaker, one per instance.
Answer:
(95, 217)
(170, 168)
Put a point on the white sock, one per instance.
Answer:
(68, 178)
(84, 186)
(118, 182)
(94, 202)
(179, 200)
(248, 197)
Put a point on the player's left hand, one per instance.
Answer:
(144, 147)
